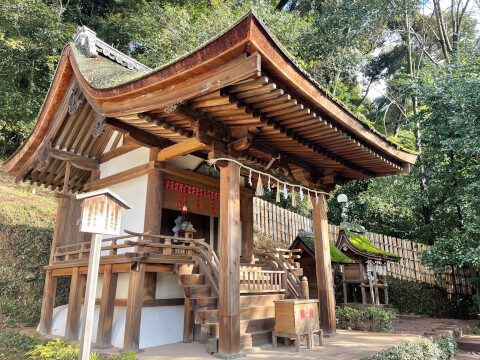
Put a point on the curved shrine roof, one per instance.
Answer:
(240, 90)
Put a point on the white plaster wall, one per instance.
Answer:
(167, 287)
(153, 331)
(189, 162)
(124, 162)
(122, 286)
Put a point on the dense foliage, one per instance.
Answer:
(422, 299)
(371, 319)
(420, 57)
(442, 348)
(26, 230)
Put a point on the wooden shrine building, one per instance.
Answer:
(110, 121)
(369, 270)
(305, 242)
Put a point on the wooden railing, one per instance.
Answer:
(277, 260)
(262, 281)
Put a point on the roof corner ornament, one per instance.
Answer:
(85, 38)
(43, 158)
(99, 125)
(170, 108)
(75, 100)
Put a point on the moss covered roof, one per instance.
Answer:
(335, 254)
(363, 243)
(102, 73)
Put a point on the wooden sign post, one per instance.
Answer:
(101, 214)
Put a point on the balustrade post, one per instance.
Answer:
(304, 287)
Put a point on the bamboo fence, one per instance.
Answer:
(283, 225)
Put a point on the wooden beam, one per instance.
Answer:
(141, 137)
(117, 178)
(229, 294)
(246, 211)
(325, 288)
(78, 161)
(107, 306)
(66, 179)
(183, 148)
(48, 302)
(131, 339)
(75, 300)
(112, 154)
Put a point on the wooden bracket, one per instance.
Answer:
(100, 124)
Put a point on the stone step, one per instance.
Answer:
(191, 279)
(252, 312)
(262, 324)
(247, 341)
(469, 343)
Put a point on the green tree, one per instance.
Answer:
(450, 122)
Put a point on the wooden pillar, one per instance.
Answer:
(229, 294)
(90, 295)
(153, 216)
(107, 307)
(188, 321)
(246, 209)
(131, 340)
(75, 299)
(326, 294)
(48, 302)
(154, 201)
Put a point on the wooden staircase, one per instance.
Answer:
(257, 312)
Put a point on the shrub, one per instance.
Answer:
(423, 299)
(376, 318)
(17, 341)
(58, 350)
(62, 350)
(420, 348)
(127, 355)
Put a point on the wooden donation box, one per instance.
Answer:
(296, 316)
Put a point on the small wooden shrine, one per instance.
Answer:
(238, 101)
(305, 242)
(369, 270)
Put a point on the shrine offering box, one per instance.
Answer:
(295, 316)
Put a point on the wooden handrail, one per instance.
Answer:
(280, 263)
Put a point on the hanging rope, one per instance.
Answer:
(292, 186)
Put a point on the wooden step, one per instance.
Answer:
(260, 300)
(262, 324)
(255, 338)
(199, 291)
(185, 269)
(204, 303)
(210, 316)
(191, 279)
(247, 341)
(298, 272)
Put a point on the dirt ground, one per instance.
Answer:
(419, 325)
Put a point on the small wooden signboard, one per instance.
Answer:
(101, 214)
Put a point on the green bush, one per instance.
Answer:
(55, 350)
(422, 299)
(15, 340)
(62, 350)
(370, 318)
(420, 348)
